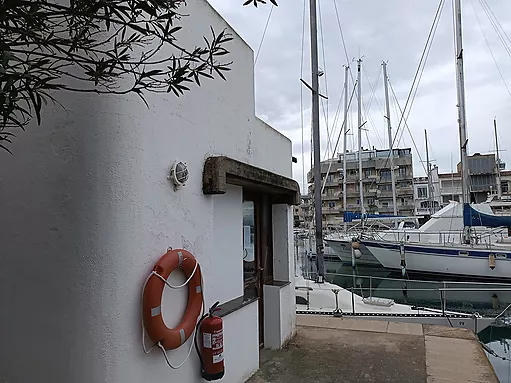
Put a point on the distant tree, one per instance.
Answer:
(96, 46)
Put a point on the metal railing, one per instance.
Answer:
(445, 237)
(440, 297)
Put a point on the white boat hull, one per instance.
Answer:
(342, 248)
(463, 261)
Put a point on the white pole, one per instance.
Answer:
(344, 187)
(430, 181)
(360, 175)
(389, 127)
(499, 183)
(462, 116)
(316, 142)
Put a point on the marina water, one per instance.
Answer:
(487, 299)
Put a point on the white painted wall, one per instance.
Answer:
(87, 211)
(281, 300)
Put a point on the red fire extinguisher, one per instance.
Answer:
(211, 352)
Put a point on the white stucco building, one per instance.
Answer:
(87, 210)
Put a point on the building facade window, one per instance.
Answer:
(385, 174)
(331, 205)
(505, 187)
(330, 178)
(402, 171)
(422, 192)
(330, 192)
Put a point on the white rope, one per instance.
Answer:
(180, 286)
(187, 356)
(203, 310)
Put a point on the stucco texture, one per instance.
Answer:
(87, 210)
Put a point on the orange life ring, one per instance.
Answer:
(172, 338)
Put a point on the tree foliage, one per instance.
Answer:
(99, 46)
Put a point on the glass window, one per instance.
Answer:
(385, 174)
(249, 260)
(422, 192)
(331, 205)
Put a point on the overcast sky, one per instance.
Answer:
(394, 31)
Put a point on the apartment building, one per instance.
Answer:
(483, 179)
(377, 184)
(303, 214)
(427, 198)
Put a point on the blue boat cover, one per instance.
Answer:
(472, 217)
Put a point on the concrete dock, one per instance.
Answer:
(327, 349)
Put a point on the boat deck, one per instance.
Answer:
(328, 349)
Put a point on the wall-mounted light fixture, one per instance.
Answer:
(178, 173)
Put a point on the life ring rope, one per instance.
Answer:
(199, 289)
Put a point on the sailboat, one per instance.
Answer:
(321, 297)
(341, 243)
(485, 252)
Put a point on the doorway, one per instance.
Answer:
(257, 250)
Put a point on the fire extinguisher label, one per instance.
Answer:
(217, 358)
(206, 340)
(217, 340)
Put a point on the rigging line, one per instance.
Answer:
(420, 75)
(337, 114)
(304, 185)
(495, 17)
(373, 93)
(368, 106)
(338, 139)
(495, 27)
(370, 119)
(406, 125)
(328, 134)
(489, 48)
(324, 61)
(424, 52)
(264, 34)
(343, 41)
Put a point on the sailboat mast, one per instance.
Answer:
(462, 116)
(316, 142)
(430, 181)
(499, 183)
(389, 127)
(360, 176)
(345, 132)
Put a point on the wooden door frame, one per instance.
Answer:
(263, 237)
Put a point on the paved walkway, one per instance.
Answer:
(328, 349)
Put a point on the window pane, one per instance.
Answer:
(249, 261)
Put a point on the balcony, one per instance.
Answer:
(333, 197)
(405, 190)
(332, 210)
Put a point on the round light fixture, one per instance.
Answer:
(179, 173)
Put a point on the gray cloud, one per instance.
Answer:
(393, 31)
